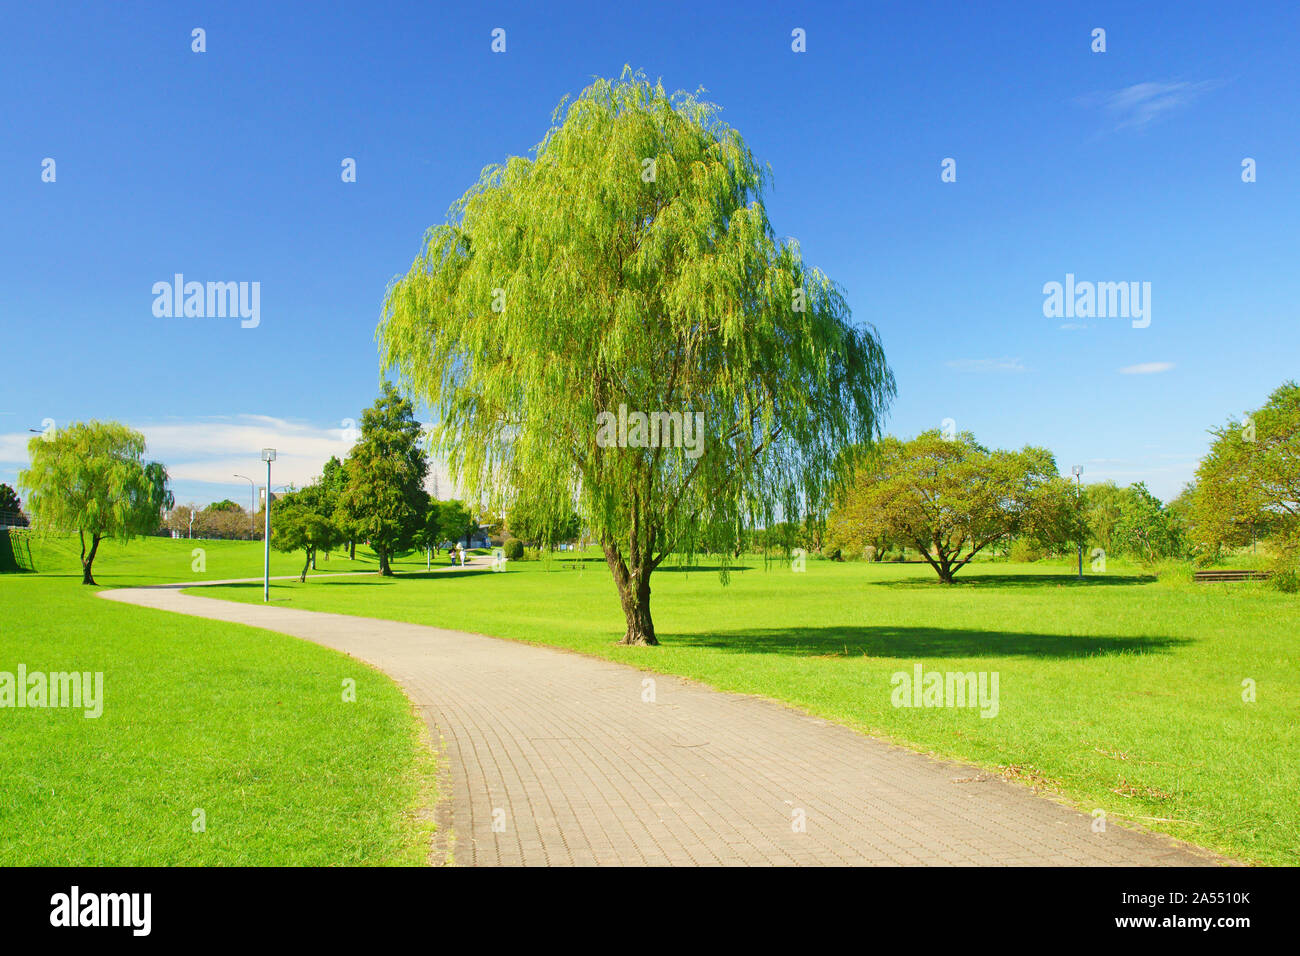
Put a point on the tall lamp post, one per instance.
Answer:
(252, 506)
(1077, 471)
(268, 456)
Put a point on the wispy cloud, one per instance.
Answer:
(987, 365)
(1146, 368)
(212, 450)
(1138, 105)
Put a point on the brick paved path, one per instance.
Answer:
(554, 758)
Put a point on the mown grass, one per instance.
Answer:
(1122, 692)
(248, 726)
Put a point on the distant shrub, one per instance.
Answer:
(1284, 565)
(1024, 552)
(833, 554)
(513, 549)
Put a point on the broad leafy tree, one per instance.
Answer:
(950, 498)
(628, 267)
(91, 478)
(1146, 529)
(1103, 503)
(384, 501)
(1249, 482)
(455, 521)
(429, 536)
(304, 521)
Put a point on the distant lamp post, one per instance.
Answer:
(252, 506)
(268, 456)
(1077, 471)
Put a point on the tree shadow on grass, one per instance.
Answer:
(913, 642)
(1018, 581)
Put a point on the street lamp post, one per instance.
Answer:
(252, 507)
(1077, 471)
(268, 456)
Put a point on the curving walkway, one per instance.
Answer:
(555, 759)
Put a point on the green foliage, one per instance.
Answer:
(513, 549)
(383, 500)
(304, 521)
(224, 505)
(1102, 505)
(951, 498)
(1024, 551)
(455, 521)
(543, 520)
(1248, 484)
(1145, 529)
(1283, 564)
(430, 533)
(91, 478)
(566, 286)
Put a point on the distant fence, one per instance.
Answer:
(15, 550)
(14, 519)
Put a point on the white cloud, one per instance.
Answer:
(1146, 368)
(1140, 104)
(203, 456)
(986, 365)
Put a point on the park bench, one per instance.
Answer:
(1230, 575)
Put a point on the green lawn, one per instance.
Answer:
(1121, 693)
(247, 725)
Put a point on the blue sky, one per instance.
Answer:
(225, 166)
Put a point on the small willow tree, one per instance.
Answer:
(91, 478)
(613, 323)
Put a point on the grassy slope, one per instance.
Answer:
(246, 724)
(1122, 693)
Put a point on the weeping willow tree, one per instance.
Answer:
(613, 323)
(91, 477)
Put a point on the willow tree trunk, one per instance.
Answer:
(88, 559)
(634, 594)
(384, 568)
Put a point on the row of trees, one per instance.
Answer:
(951, 499)
(376, 495)
(92, 478)
(221, 519)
